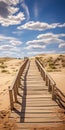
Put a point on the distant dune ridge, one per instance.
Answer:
(53, 63)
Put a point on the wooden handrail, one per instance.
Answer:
(45, 72)
(13, 89)
(57, 95)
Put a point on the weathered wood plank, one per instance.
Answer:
(39, 120)
(39, 125)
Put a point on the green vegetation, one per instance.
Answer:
(51, 63)
(3, 66)
(4, 71)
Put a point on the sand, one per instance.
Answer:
(59, 78)
(6, 78)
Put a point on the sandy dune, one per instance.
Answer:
(55, 65)
(8, 70)
(6, 79)
(59, 78)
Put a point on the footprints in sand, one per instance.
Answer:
(5, 123)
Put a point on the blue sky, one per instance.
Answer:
(31, 27)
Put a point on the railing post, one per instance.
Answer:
(17, 85)
(46, 80)
(44, 76)
(49, 85)
(53, 97)
(19, 80)
(11, 98)
(15, 93)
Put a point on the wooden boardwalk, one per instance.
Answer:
(35, 107)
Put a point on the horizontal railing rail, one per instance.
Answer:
(57, 95)
(13, 89)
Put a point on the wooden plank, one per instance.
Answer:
(38, 99)
(39, 125)
(43, 105)
(39, 120)
(48, 120)
(39, 111)
(43, 92)
(40, 115)
(34, 115)
(38, 96)
(53, 108)
(41, 102)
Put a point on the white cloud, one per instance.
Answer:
(61, 25)
(50, 35)
(10, 40)
(15, 42)
(6, 47)
(40, 26)
(10, 14)
(12, 19)
(9, 46)
(62, 45)
(38, 41)
(43, 40)
(35, 46)
(48, 38)
(12, 10)
(12, 2)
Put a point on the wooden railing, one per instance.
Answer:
(57, 95)
(13, 89)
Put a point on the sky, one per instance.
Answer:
(31, 27)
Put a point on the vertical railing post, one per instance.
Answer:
(53, 97)
(15, 93)
(46, 80)
(44, 75)
(49, 85)
(17, 85)
(11, 98)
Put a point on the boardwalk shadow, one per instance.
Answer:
(22, 103)
(22, 115)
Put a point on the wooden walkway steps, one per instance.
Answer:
(35, 107)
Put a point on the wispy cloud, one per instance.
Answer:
(36, 11)
(40, 26)
(26, 11)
